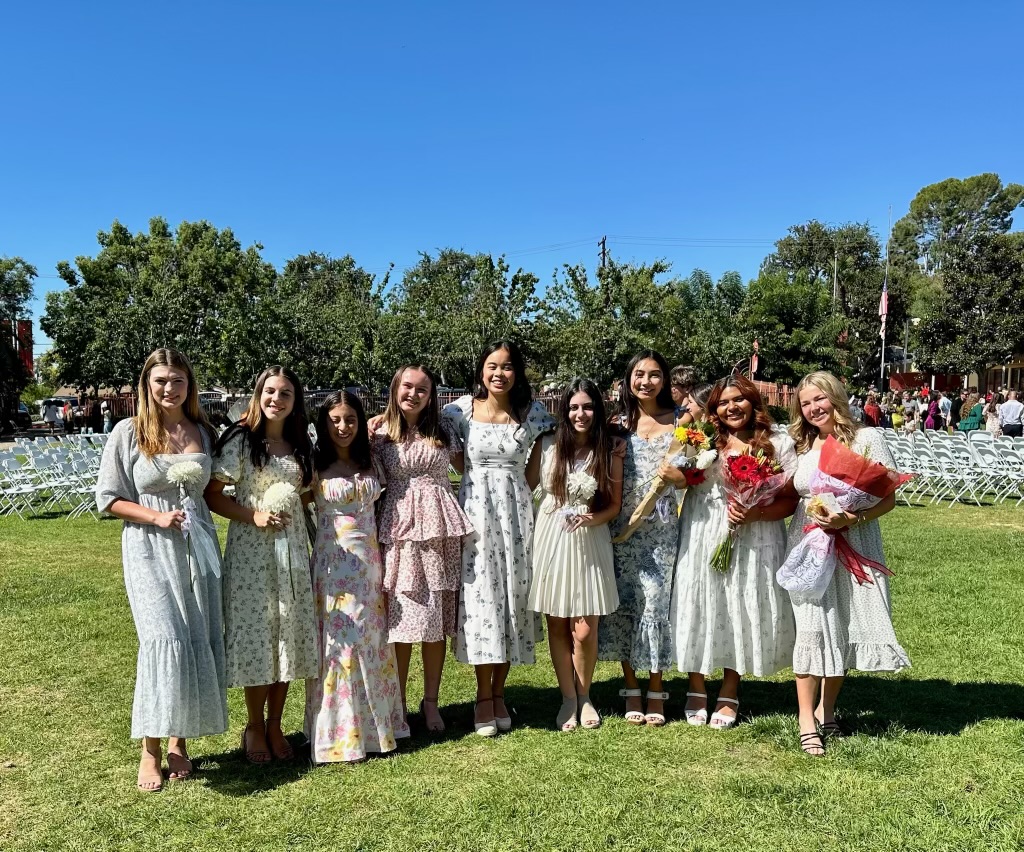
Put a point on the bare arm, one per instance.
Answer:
(611, 511)
(225, 506)
(533, 466)
(458, 461)
(126, 510)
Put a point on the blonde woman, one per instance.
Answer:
(851, 626)
(173, 582)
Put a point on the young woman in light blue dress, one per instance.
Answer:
(171, 565)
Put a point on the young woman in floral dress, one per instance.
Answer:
(498, 427)
(421, 530)
(573, 565)
(354, 705)
(268, 601)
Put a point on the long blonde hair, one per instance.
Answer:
(802, 432)
(149, 425)
(429, 425)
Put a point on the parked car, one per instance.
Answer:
(24, 417)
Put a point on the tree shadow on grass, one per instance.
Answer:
(870, 704)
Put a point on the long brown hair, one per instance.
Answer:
(802, 432)
(429, 424)
(760, 423)
(254, 429)
(629, 405)
(598, 439)
(149, 424)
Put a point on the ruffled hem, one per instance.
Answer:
(436, 564)
(817, 660)
(180, 690)
(425, 510)
(651, 649)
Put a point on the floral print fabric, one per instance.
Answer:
(495, 623)
(354, 705)
(268, 607)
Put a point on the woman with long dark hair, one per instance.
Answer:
(573, 564)
(741, 620)
(639, 633)
(173, 582)
(498, 426)
(354, 707)
(268, 600)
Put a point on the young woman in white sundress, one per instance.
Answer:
(740, 621)
(639, 633)
(173, 581)
(573, 563)
(498, 427)
(851, 626)
(270, 632)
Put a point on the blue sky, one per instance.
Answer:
(381, 130)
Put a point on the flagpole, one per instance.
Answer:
(885, 319)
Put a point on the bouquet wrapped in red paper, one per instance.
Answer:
(845, 481)
(750, 479)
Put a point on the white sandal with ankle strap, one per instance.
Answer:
(723, 723)
(699, 717)
(634, 717)
(656, 720)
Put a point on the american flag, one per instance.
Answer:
(883, 306)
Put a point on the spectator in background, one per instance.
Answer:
(991, 414)
(911, 411)
(51, 414)
(872, 412)
(1011, 416)
(971, 412)
(108, 416)
(68, 415)
(933, 419)
(682, 380)
(856, 410)
(956, 406)
(945, 407)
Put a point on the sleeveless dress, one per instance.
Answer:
(180, 681)
(421, 530)
(742, 619)
(354, 705)
(639, 632)
(573, 573)
(851, 626)
(268, 599)
(494, 624)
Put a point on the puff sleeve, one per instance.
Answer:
(538, 422)
(115, 480)
(227, 463)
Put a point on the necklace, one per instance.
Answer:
(506, 432)
(650, 430)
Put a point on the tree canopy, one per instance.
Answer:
(16, 278)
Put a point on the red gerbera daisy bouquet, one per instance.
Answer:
(750, 479)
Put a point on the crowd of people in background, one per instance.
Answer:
(576, 519)
(998, 411)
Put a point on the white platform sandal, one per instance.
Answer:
(656, 720)
(722, 723)
(697, 718)
(634, 717)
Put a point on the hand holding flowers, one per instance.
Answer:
(581, 488)
(275, 505)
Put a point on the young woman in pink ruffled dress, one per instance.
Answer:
(421, 530)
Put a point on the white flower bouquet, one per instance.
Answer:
(580, 488)
(200, 536)
(279, 497)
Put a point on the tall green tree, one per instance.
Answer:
(979, 318)
(194, 288)
(16, 278)
(951, 214)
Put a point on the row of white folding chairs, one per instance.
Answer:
(957, 469)
(35, 485)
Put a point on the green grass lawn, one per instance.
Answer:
(938, 762)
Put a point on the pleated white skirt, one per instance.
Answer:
(573, 572)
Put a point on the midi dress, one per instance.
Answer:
(573, 572)
(270, 631)
(421, 532)
(851, 626)
(354, 704)
(180, 681)
(741, 619)
(639, 632)
(495, 625)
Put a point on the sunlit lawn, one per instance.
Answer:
(938, 762)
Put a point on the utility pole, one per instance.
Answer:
(603, 245)
(835, 276)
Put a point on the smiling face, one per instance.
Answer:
(734, 410)
(817, 409)
(342, 425)
(277, 398)
(499, 373)
(413, 393)
(581, 412)
(168, 387)
(647, 380)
